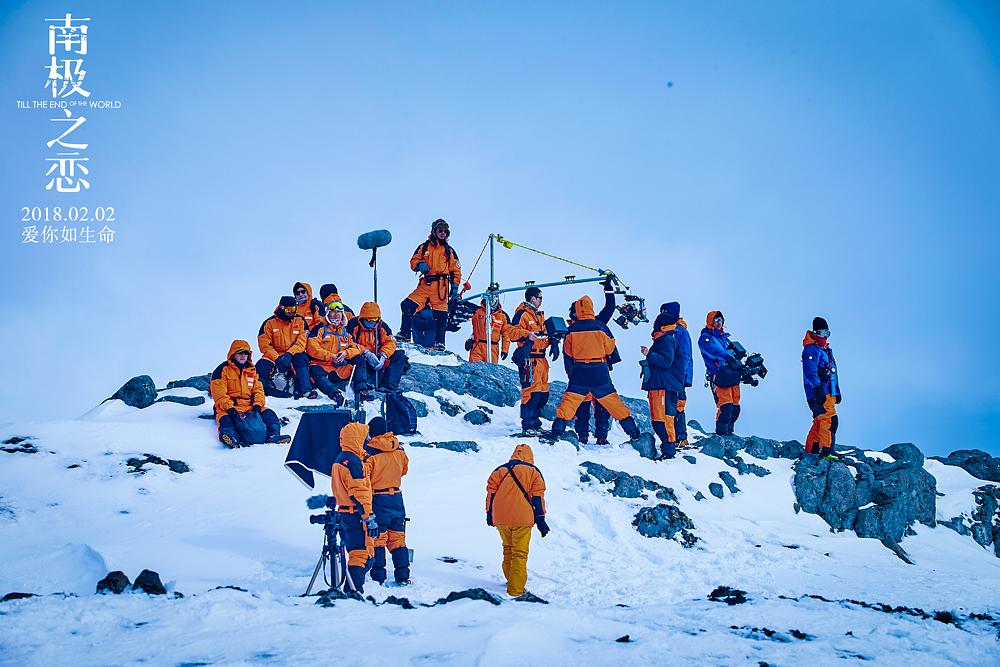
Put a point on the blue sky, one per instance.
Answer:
(773, 160)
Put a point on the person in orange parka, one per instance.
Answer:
(328, 293)
(308, 308)
(440, 276)
(331, 349)
(379, 356)
(385, 465)
(515, 501)
(589, 352)
(528, 329)
(237, 393)
(353, 491)
(499, 334)
(282, 343)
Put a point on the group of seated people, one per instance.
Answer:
(307, 346)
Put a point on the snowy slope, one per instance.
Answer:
(72, 512)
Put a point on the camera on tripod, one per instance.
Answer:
(459, 312)
(633, 311)
(319, 502)
(751, 365)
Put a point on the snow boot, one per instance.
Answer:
(312, 395)
(667, 451)
(229, 441)
(602, 440)
(645, 444)
(439, 347)
(402, 338)
(357, 575)
(401, 565)
(378, 565)
(279, 439)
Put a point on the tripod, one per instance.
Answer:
(334, 553)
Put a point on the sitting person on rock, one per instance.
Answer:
(282, 343)
(380, 365)
(307, 307)
(331, 349)
(385, 465)
(328, 292)
(240, 411)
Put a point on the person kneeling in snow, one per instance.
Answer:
(353, 491)
(380, 365)
(385, 465)
(515, 501)
(239, 402)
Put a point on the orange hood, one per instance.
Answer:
(809, 339)
(584, 308)
(238, 345)
(523, 453)
(681, 322)
(370, 311)
(352, 438)
(308, 288)
(386, 442)
(712, 314)
(664, 329)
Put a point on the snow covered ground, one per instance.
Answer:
(72, 512)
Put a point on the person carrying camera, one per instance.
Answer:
(822, 386)
(499, 334)
(528, 329)
(723, 371)
(440, 277)
(353, 492)
(589, 352)
(385, 464)
(666, 381)
(331, 349)
(282, 343)
(238, 395)
(515, 501)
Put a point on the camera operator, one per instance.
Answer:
(385, 465)
(353, 491)
(822, 385)
(723, 371)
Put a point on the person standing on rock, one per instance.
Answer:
(822, 386)
(528, 329)
(331, 350)
(440, 277)
(673, 309)
(722, 370)
(282, 343)
(515, 501)
(665, 381)
(589, 352)
(353, 491)
(499, 334)
(385, 465)
(602, 418)
(380, 365)
(239, 401)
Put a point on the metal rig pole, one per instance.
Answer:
(489, 309)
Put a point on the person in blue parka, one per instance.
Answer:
(664, 381)
(822, 387)
(673, 309)
(722, 370)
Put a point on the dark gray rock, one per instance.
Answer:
(419, 407)
(402, 602)
(666, 521)
(624, 485)
(469, 594)
(477, 417)
(716, 490)
(183, 400)
(730, 596)
(116, 582)
(984, 523)
(149, 582)
(329, 597)
(699, 496)
(492, 383)
(744, 468)
(975, 462)
(693, 423)
(905, 451)
(139, 392)
(19, 445)
(528, 596)
(136, 464)
(826, 488)
(729, 481)
(17, 596)
(690, 459)
(448, 407)
(646, 446)
(450, 445)
(199, 382)
(727, 447)
(901, 496)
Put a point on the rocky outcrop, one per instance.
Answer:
(183, 400)
(492, 383)
(983, 525)
(728, 447)
(666, 521)
(149, 582)
(975, 462)
(116, 582)
(199, 382)
(450, 445)
(139, 392)
(624, 485)
(872, 497)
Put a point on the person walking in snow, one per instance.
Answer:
(238, 394)
(822, 386)
(515, 501)
(385, 465)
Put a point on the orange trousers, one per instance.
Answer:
(824, 427)
(515, 541)
(611, 402)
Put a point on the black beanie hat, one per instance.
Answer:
(287, 301)
(819, 323)
(663, 320)
(531, 293)
(377, 426)
(326, 290)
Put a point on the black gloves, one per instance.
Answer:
(839, 397)
(257, 409)
(469, 342)
(543, 527)
(554, 352)
(608, 283)
(489, 518)
(284, 362)
(232, 413)
(503, 356)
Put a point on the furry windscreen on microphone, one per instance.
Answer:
(375, 239)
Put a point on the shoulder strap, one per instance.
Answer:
(510, 469)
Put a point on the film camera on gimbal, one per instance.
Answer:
(751, 366)
(633, 311)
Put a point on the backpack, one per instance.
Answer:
(400, 415)
(251, 429)
(423, 327)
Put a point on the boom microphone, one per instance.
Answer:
(375, 239)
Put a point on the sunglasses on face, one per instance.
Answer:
(300, 292)
(336, 305)
(822, 333)
(241, 353)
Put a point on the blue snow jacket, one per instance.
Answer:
(666, 361)
(684, 342)
(819, 368)
(720, 363)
